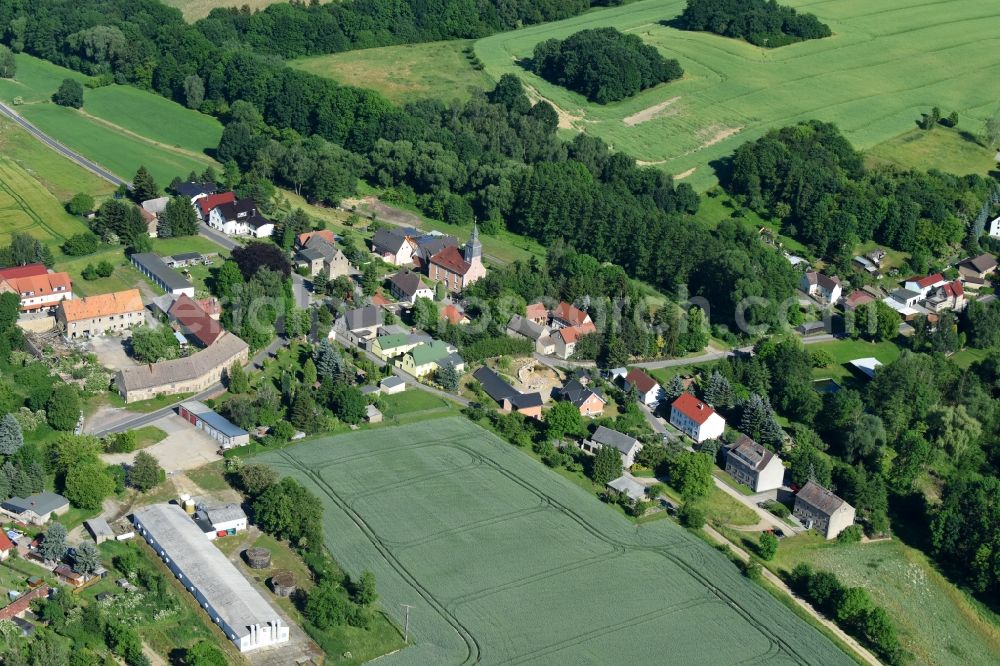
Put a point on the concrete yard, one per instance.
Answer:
(185, 447)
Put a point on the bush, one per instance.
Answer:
(777, 508)
(70, 93)
(81, 204)
(81, 244)
(767, 546)
(691, 517)
(850, 534)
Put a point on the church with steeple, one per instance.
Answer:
(459, 268)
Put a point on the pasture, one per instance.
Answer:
(196, 9)
(504, 561)
(27, 207)
(883, 66)
(937, 622)
(119, 127)
(404, 73)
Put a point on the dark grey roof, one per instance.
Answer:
(750, 453)
(608, 437)
(493, 384)
(454, 358)
(391, 382)
(224, 513)
(369, 315)
(389, 240)
(163, 273)
(577, 393)
(407, 282)
(319, 245)
(432, 244)
(186, 256)
(982, 263)
(526, 400)
(192, 189)
(311, 254)
(902, 295)
(526, 327)
(40, 503)
(820, 498)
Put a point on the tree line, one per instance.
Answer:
(760, 22)
(603, 64)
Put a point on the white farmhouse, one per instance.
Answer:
(696, 419)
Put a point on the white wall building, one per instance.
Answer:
(696, 419)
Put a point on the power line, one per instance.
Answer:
(406, 625)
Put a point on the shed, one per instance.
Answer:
(372, 414)
(392, 385)
(626, 485)
(99, 530)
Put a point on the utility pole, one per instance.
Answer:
(406, 625)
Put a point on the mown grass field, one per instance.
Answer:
(949, 150)
(937, 622)
(843, 351)
(119, 127)
(404, 73)
(885, 64)
(26, 206)
(505, 561)
(196, 9)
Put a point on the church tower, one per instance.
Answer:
(474, 249)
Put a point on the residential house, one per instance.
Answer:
(508, 397)
(318, 254)
(151, 210)
(96, 315)
(35, 509)
(822, 287)
(396, 344)
(407, 287)
(980, 267)
(648, 389)
(302, 240)
(949, 296)
(627, 446)
(458, 269)
(537, 313)
(357, 325)
(216, 426)
(993, 229)
(185, 259)
(856, 298)
(36, 287)
(230, 600)
(564, 339)
(628, 487)
(393, 247)
(240, 218)
(191, 374)
(905, 302)
(191, 320)
(754, 466)
(923, 285)
(590, 403)
(430, 244)
(523, 327)
(451, 314)
(194, 191)
(696, 419)
(565, 315)
(819, 509)
(6, 546)
(164, 277)
(204, 205)
(392, 385)
(425, 359)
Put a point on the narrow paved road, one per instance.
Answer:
(140, 420)
(61, 149)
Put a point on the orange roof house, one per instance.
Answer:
(28, 270)
(567, 315)
(325, 234)
(98, 314)
(453, 315)
(39, 291)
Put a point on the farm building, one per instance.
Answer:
(193, 322)
(627, 486)
(372, 414)
(220, 521)
(99, 530)
(191, 374)
(215, 425)
(819, 509)
(98, 314)
(228, 598)
(161, 275)
(35, 509)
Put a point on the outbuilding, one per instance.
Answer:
(215, 425)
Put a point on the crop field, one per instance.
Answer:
(404, 73)
(885, 64)
(119, 127)
(196, 9)
(937, 623)
(27, 207)
(504, 561)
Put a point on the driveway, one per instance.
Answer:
(110, 351)
(185, 447)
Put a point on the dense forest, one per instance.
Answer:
(603, 64)
(760, 22)
(810, 178)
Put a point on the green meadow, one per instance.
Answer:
(884, 65)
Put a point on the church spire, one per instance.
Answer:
(474, 249)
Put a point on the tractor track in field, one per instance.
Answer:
(474, 649)
(26, 207)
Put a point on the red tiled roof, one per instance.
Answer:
(567, 313)
(195, 321)
(571, 334)
(693, 408)
(640, 380)
(206, 204)
(28, 270)
(924, 282)
(5, 543)
(325, 234)
(451, 260)
(41, 285)
(953, 289)
(856, 298)
(451, 313)
(103, 305)
(536, 311)
(22, 603)
(379, 299)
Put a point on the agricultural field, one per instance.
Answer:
(119, 127)
(948, 150)
(26, 206)
(937, 622)
(404, 73)
(505, 561)
(882, 67)
(196, 9)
